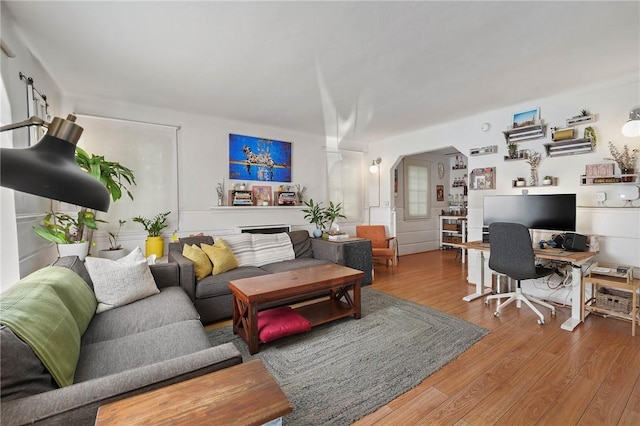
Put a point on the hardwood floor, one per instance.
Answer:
(521, 373)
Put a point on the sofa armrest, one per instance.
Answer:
(79, 403)
(165, 274)
(325, 250)
(187, 273)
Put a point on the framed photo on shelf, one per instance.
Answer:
(261, 195)
(439, 192)
(483, 178)
(526, 118)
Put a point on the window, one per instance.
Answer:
(345, 182)
(416, 189)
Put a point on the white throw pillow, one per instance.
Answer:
(120, 282)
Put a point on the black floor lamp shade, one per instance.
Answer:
(49, 169)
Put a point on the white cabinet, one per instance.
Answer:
(453, 231)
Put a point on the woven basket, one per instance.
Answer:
(614, 300)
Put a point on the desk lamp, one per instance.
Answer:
(49, 168)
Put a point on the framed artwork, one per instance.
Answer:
(252, 158)
(526, 118)
(261, 195)
(440, 192)
(483, 178)
(36, 106)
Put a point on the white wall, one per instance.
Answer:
(611, 102)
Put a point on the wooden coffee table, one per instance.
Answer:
(333, 280)
(245, 394)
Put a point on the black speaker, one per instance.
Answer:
(575, 242)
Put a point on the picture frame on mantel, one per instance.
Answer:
(526, 118)
(261, 195)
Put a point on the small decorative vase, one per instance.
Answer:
(628, 172)
(317, 233)
(534, 176)
(154, 245)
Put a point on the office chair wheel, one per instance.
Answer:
(496, 314)
(541, 322)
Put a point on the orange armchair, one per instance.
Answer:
(383, 247)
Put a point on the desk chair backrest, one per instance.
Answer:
(512, 250)
(375, 233)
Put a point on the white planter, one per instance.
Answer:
(113, 254)
(75, 249)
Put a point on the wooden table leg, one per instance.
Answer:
(252, 329)
(356, 300)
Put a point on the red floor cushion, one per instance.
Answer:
(280, 322)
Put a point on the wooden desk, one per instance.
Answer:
(573, 258)
(245, 394)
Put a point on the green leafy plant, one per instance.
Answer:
(333, 212)
(314, 213)
(590, 132)
(153, 226)
(61, 228)
(113, 236)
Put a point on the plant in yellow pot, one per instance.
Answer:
(155, 242)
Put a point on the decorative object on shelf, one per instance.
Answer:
(441, 170)
(520, 154)
(526, 118)
(459, 165)
(584, 117)
(154, 243)
(490, 149)
(558, 134)
(549, 180)
(286, 198)
(632, 127)
(626, 160)
(261, 195)
(513, 149)
(590, 132)
(483, 178)
(534, 162)
(220, 190)
(300, 192)
(520, 181)
(439, 192)
(241, 197)
(260, 159)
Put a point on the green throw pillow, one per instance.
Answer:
(221, 256)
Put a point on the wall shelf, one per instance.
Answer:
(582, 119)
(521, 154)
(607, 180)
(571, 147)
(518, 134)
(491, 149)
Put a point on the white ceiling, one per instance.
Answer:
(372, 69)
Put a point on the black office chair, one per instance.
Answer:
(512, 254)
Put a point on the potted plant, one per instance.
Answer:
(333, 212)
(547, 180)
(626, 160)
(115, 250)
(64, 230)
(315, 214)
(513, 149)
(520, 181)
(154, 243)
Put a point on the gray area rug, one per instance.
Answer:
(343, 370)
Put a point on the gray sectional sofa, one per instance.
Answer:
(211, 295)
(128, 350)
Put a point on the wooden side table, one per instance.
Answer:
(605, 275)
(245, 394)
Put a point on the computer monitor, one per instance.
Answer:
(553, 212)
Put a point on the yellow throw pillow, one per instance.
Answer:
(221, 256)
(201, 262)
